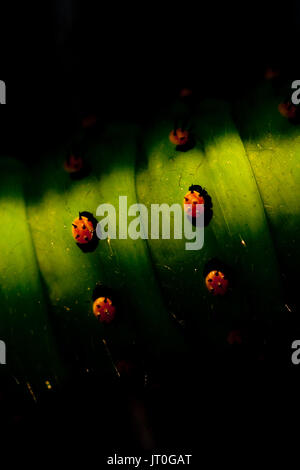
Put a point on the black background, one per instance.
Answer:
(64, 59)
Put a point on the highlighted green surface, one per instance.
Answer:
(238, 233)
(249, 166)
(25, 328)
(124, 265)
(272, 145)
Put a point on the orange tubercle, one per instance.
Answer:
(73, 164)
(234, 337)
(184, 92)
(193, 198)
(104, 309)
(179, 137)
(216, 282)
(287, 110)
(271, 73)
(82, 230)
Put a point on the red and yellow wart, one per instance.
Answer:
(216, 282)
(191, 199)
(179, 137)
(73, 164)
(288, 110)
(82, 230)
(104, 309)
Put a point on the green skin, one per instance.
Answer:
(71, 275)
(218, 162)
(272, 144)
(156, 281)
(32, 356)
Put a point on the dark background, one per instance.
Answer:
(64, 59)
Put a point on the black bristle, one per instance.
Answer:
(196, 187)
